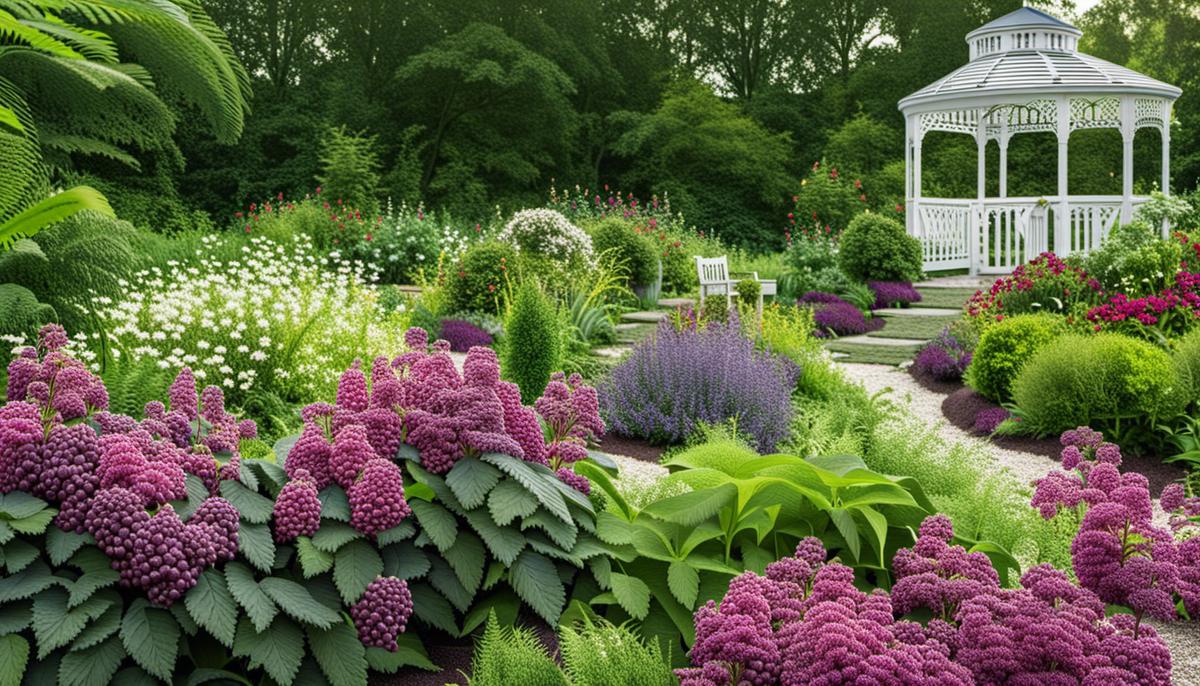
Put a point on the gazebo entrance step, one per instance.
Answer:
(880, 340)
(916, 312)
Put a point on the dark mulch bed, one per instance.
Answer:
(936, 385)
(961, 406)
(637, 448)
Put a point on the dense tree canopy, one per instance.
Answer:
(722, 104)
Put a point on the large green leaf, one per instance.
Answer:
(466, 558)
(632, 593)
(151, 637)
(93, 666)
(55, 625)
(508, 501)
(18, 554)
(313, 560)
(534, 578)
(213, 607)
(258, 605)
(848, 528)
(25, 583)
(19, 505)
(333, 535)
(355, 565)
(253, 507)
(14, 655)
(691, 509)
(404, 561)
(471, 479)
(600, 478)
(278, 650)
(437, 522)
(101, 628)
(15, 617)
(409, 653)
(505, 542)
(61, 545)
(443, 579)
(256, 544)
(335, 504)
(51, 211)
(562, 533)
(340, 654)
(297, 602)
(684, 582)
(432, 607)
(537, 479)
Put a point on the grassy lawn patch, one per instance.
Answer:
(953, 298)
(873, 354)
(916, 328)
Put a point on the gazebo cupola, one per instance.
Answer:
(1026, 74)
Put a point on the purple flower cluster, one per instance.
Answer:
(836, 317)
(805, 622)
(888, 293)
(464, 335)
(57, 383)
(377, 498)
(1119, 553)
(297, 510)
(944, 358)
(677, 380)
(989, 419)
(382, 613)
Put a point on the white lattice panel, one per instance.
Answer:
(954, 121)
(1151, 112)
(1095, 113)
(944, 230)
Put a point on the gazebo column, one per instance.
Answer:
(1062, 223)
(914, 204)
(1003, 141)
(977, 233)
(1166, 163)
(1127, 134)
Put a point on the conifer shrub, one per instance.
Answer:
(532, 341)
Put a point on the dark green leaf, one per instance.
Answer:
(88, 583)
(410, 653)
(14, 655)
(15, 617)
(436, 522)
(18, 555)
(333, 535)
(252, 506)
(684, 581)
(151, 637)
(93, 666)
(207, 674)
(19, 505)
(283, 446)
(401, 532)
(442, 578)
(103, 627)
(55, 625)
(432, 607)
(197, 493)
(471, 479)
(269, 471)
(256, 544)
(355, 565)
(562, 532)
(341, 655)
(213, 607)
(6, 532)
(61, 545)
(404, 561)
(246, 591)
(297, 602)
(466, 557)
(313, 560)
(35, 523)
(509, 500)
(33, 579)
(536, 580)
(539, 482)
(505, 542)
(278, 650)
(334, 504)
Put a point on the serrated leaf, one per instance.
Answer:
(409, 653)
(313, 560)
(256, 544)
(333, 535)
(432, 608)
(197, 493)
(534, 578)
(505, 542)
(437, 522)
(270, 471)
(6, 532)
(248, 476)
(88, 583)
(185, 621)
(253, 507)
(340, 654)
(61, 545)
(466, 558)
(14, 656)
(684, 582)
(283, 446)
(15, 617)
(18, 555)
(55, 625)
(278, 650)
(442, 578)
(151, 637)
(19, 505)
(632, 594)
(539, 482)
(562, 533)
(334, 504)
(245, 590)
(101, 628)
(213, 607)
(297, 602)
(404, 561)
(505, 605)
(495, 572)
(25, 583)
(509, 500)
(471, 479)
(91, 559)
(602, 571)
(93, 666)
(35, 523)
(401, 532)
(355, 565)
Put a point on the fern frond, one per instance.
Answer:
(602, 654)
(15, 32)
(93, 45)
(22, 174)
(512, 655)
(133, 383)
(67, 144)
(20, 312)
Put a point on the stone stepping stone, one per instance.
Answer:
(877, 340)
(612, 351)
(916, 312)
(672, 303)
(628, 326)
(644, 317)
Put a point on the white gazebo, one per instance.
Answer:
(1026, 74)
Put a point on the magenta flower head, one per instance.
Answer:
(352, 389)
(310, 453)
(481, 368)
(351, 452)
(577, 481)
(377, 499)
(416, 339)
(1172, 498)
(182, 394)
(52, 337)
(297, 510)
(382, 613)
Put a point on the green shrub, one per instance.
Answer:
(748, 291)
(480, 277)
(1135, 261)
(532, 341)
(624, 245)
(1101, 380)
(876, 248)
(1187, 360)
(827, 198)
(349, 170)
(1005, 347)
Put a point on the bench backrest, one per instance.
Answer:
(712, 270)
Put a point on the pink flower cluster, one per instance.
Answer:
(805, 622)
(1173, 310)
(1038, 283)
(1119, 553)
(420, 399)
(103, 479)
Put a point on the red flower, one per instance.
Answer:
(368, 236)
(280, 196)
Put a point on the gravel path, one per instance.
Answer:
(1183, 638)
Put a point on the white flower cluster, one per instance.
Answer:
(277, 318)
(549, 234)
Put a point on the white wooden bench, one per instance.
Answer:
(716, 279)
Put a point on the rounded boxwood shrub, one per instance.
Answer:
(532, 343)
(1078, 380)
(876, 248)
(479, 276)
(620, 241)
(1005, 347)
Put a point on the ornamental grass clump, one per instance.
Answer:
(806, 622)
(677, 380)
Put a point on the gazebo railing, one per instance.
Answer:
(998, 234)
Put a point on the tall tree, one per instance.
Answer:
(749, 43)
(275, 39)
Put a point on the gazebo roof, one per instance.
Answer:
(1028, 53)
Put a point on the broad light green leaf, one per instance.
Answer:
(61, 545)
(14, 655)
(340, 654)
(253, 507)
(632, 593)
(333, 535)
(278, 650)
(509, 500)
(537, 479)
(471, 479)
(260, 608)
(213, 607)
(684, 581)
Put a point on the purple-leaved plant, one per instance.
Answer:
(464, 335)
(944, 358)
(888, 293)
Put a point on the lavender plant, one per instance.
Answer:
(676, 380)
